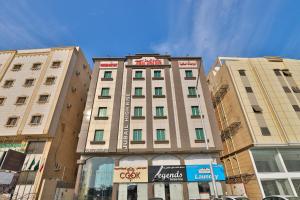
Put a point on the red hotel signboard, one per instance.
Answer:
(147, 61)
(109, 64)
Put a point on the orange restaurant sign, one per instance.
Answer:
(130, 175)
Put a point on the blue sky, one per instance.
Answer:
(206, 28)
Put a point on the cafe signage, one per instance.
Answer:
(147, 61)
(167, 173)
(203, 173)
(130, 175)
(108, 64)
(187, 63)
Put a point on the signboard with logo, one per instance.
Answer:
(147, 61)
(202, 172)
(167, 173)
(187, 63)
(130, 175)
(108, 64)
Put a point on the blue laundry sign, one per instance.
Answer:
(200, 173)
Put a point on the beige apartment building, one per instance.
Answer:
(42, 98)
(257, 106)
(148, 128)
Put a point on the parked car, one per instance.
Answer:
(235, 198)
(279, 197)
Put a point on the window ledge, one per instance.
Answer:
(161, 142)
(197, 116)
(191, 96)
(107, 79)
(34, 124)
(138, 79)
(101, 118)
(157, 78)
(190, 78)
(10, 126)
(159, 96)
(138, 96)
(137, 142)
(160, 117)
(199, 141)
(104, 97)
(138, 117)
(97, 142)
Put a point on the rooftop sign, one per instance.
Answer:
(147, 61)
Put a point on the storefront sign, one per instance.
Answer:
(130, 175)
(109, 64)
(167, 173)
(187, 63)
(125, 135)
(147, 61)
(202, 172)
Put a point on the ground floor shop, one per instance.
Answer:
(168, 176)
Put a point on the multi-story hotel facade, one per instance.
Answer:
(257, 107)
(42, 98)
(148, 121)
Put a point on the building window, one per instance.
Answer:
(159, 111)
(256, 108)
(265, 131)
(107, 74)
(12, 121)
(199, 134)
(138, 74)
(43, 98)
(160, 134)
(286, 72)
(56, 64)
(158, 91)
(157, 74)
(192, 91)
(102, 112)
(36, 66)
(188, 73)
(242, 72)
(249, 90)
(296, 108)
(276, 187)
(36, 119)
(105, 92)
(295, 89)
(50, 80)
(267, 161)
(137, 134)
(29, 82)
(286, 89)
(16, 67)
(21, 100)
(8, 83)
(195, 111)
(98, 135)
(138, 111)
(138, 91)
(2, 99)
(277, 72)
(291, 159)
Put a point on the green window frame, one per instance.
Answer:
(158, 91)
(157, 73)
(138, 74)
(98, 136)
(137, 134)
(107, 74)
(102, 112)
(195, 111)
(192, 91)
(138, 111)
(188, 73)
(105, 92)
(160, 134)
(199, 134)
(159, 111)
(138, 91)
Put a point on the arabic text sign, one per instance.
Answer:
(147, 61)
(202, 172)
(130, 175)
(187, 63)
(167, 173)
